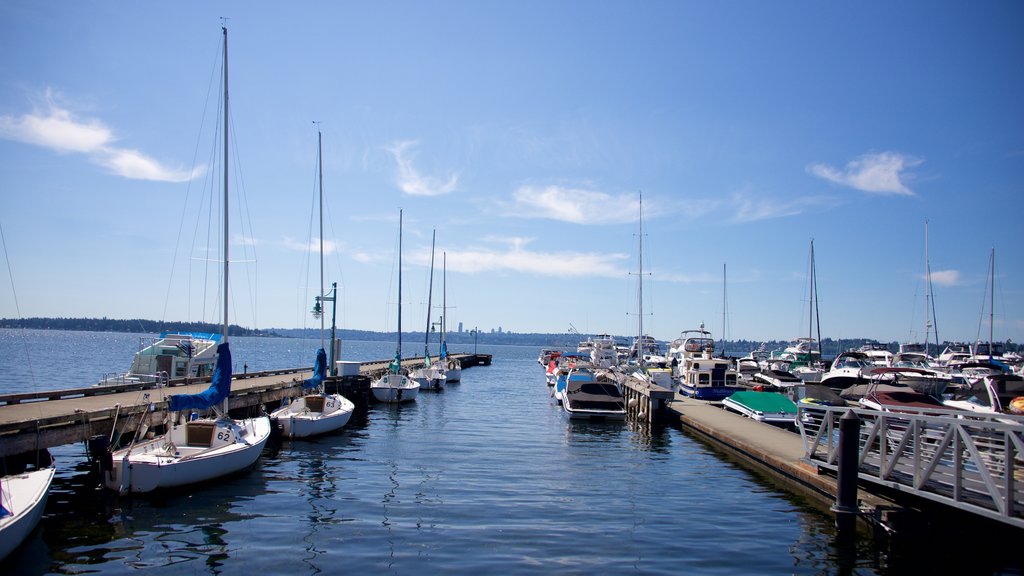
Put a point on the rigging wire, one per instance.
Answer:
(17, 307)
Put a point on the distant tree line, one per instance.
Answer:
(135, 325)
(737, 348)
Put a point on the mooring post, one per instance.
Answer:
(846, 483)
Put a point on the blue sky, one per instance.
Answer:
(524, 133)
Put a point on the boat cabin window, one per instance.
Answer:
(199, 434)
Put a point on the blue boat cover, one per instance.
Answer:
(319, 371)
(220, 386)
(444, 350)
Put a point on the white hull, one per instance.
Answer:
(24, 496)
(453, 374)
(173, 460)
(320, 415)
(392, 389)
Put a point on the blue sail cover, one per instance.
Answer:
(220, 386)
(444, 350)
(319, 371)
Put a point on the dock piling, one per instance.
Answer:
(846, 508)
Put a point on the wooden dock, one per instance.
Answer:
(35, 421)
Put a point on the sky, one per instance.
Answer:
(567, 154)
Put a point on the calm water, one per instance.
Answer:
(485, 477)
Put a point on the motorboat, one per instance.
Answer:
(994, 394)
(775, 376)
(877, 353)
(558, 375)
(590, 395)
(848, 369)
(699, 374)
(768, 407)
(171, 355)
(924, 381)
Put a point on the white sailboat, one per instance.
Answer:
(453, 368)
(395, 386)
(194, 449)
(430, 376)
(22, 500)
(315, 412)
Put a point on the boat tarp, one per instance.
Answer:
(220, 386)
(319, 371)
(444, 350)
(764, 401)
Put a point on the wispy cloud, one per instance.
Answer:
(882, 173)
(514, 255)
(55, 128)
(946, 277)
(312, 246)
(750, 208)
(576, 205)
(411, 181)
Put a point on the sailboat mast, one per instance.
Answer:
(398, 353)
(430, 297)
(927, 292)
(444, 301)
(226, 236)
(991, 302)
(640, 296)
(320, 165)
(725, 304)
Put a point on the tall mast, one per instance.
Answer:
(398, 354)
(320, 164)
(813, 311)
(991, 302)
(927, 293)
(444, 301)
(640, 298)
(430, 297)
(226, 236)
(725, 304)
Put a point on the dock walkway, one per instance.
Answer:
(40, 420)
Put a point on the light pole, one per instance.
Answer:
(318, 311)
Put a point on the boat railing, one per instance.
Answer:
(970, 461)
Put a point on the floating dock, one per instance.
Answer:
(35, 421)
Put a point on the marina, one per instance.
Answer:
(535, 444)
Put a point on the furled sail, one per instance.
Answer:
(319, 371)
(220, 386)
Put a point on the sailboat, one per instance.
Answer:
(194, 449)
(453, 368)
(804, 355)
(394, 385)
(430, 376)
(315, 412)
(22, 500)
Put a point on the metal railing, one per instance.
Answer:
(974, 462)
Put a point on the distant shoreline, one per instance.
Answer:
(830, 347)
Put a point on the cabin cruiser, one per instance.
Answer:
(848, 369)
(172, 355)
(699, 374)
(995, 394)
